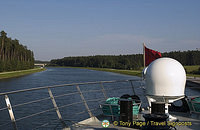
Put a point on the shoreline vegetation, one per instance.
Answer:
(14, 74)
(189, 70)
(129, 64)
(13, 55)
(138, 73)
(125, 62)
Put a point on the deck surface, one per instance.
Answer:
(95, 124)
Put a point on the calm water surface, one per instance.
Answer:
(55, 76)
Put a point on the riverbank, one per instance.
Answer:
(126, 72)
(139, 72)
(134, 72)
(12, 74)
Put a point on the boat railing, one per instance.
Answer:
(193, 105)
(52, 97)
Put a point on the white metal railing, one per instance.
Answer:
(52, 97)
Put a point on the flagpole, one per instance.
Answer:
(144, 54)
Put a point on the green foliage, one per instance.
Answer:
(194, 69)
(126, 62)
(13, 55)
(185, 57)
(129, 62)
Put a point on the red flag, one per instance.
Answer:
(151, 55)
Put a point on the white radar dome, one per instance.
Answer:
(165, 77)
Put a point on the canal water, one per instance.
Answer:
(55, 76)
(71, 114)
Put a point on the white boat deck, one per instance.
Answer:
(186, 121)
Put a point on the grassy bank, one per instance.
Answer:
(192, 70)
(126, 72)
(189, 69)
(138, 73)
(12, 74)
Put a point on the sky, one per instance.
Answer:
(60, 28)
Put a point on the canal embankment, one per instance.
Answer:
(136, 72)
(193, 80)
(13, 74)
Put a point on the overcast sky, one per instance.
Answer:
(61, 28)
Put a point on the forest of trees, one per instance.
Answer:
(134, 61)
(106, 61)
(13, 55)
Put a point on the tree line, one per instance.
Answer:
(13, 55)
(129, 62)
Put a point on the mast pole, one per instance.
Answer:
(144, 54)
